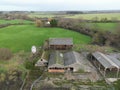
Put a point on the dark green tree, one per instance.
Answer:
(99, 38)
(53, 23)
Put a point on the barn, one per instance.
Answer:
(107, 65)
(72, 61)
(56, 62)
(60, 43)
(62, 62)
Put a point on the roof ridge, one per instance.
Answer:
(112, 63)
(74, 53)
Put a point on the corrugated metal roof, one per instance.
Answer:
(116, 55)
(115, 60)
(104, 60)
(60, 41)
(56, 59)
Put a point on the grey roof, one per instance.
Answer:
(60, 41)
(41, 63)
(56, 59)
(71, 58)
(43, 59)
(104, 60)
(116, 55)
(115, 60)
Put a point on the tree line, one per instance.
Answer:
(98, 36)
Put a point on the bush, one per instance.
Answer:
(30, 64)
(117, 85)
(5, 54)
(53, 23)
(38, 23)
(99, 38)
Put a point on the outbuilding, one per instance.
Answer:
(60, 43)
(43, 61)
(107, 65)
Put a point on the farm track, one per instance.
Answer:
(37, 80)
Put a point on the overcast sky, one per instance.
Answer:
(59, 5)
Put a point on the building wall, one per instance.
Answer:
(60, 47)
(75, 67)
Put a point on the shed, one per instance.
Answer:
(104, 62)
(43, 61)
(60, 43)
(115, 60)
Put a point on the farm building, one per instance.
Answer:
(60, 43)
(72, 61)
(43, 61)
(69, 61)
(107, 65)
(56, 62)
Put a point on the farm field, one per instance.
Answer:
(41, 15)
(22, 37)
(109, 16)
(104, 26)
(14, 21)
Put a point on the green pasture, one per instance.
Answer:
(14, 21)
(22, 37)
(104, 26)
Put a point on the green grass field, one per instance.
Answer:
(104, 26)
(22, 37)
(14, 21)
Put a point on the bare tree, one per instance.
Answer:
(38, 23)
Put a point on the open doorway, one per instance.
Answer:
(71, 69)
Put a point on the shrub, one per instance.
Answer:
(53, 23)
(99, 38)
(117, 85)
(5, 54)
(38, 23)
(29, 65)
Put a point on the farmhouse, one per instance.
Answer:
(56, 62)
(72, 61)
(107, 65)
(60, 43)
